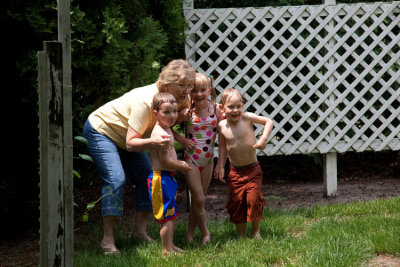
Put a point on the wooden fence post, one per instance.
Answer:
(330, 158)
(55, 134)
(52, 228)
(64, 37)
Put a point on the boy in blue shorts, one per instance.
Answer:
(161, 183)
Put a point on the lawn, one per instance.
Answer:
(330, 235)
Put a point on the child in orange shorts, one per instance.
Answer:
(237, 140)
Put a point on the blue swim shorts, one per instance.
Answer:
(162, 190)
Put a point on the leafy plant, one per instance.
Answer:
(82, 156)
(91, 205)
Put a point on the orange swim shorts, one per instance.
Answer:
(245, 201)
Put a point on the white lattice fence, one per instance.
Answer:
(328, 75)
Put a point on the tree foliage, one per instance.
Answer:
(114, 45)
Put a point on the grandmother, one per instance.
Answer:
(118, 132)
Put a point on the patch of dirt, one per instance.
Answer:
(288, 196)
(296, 181)
(289, 182)
(384, 260)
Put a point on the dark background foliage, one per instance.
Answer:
(116, 45)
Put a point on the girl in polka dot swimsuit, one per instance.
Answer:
(201, 132)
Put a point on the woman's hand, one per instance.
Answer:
(161, 142)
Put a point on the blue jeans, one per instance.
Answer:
(114, 164)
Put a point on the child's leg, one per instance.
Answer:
(255, 229)
(255, 205)
(241, 229)
(255, 201)
(206, 175)
(167, 236)
(197, 214)
(175, 248)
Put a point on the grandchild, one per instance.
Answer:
(237, 140)
(201, 132)
(161, 183)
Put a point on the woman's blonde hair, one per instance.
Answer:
(176, 70)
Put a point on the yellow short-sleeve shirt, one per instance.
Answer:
(131, 109)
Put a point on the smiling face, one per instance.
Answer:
(180, 89)
(202, 89)
(232, 104)
(200, 94)
(167, 114)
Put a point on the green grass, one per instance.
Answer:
(329, 235)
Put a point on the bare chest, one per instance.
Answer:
(239, 133)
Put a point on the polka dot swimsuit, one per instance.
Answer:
(203, 132)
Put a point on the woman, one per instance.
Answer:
(117, 133)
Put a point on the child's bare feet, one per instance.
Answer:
(205, 239)
(257, 236)
(175, 250)
(166, 253)
(189, 237)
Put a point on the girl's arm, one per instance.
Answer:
(185, 142)
(268, 125)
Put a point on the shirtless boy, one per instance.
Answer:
(237, 140)
(161, 183)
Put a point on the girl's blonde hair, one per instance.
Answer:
(176, 70)
(161, 98)
(204, 81)
(228, 93)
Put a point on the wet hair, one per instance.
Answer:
(175, 71)
(161, 98)
(228, 93)
(204, 81)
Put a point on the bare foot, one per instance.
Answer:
(175, 250)
(205, 239)
(189, 238)
(144, 237)
(166, 253)
(178, 250)
(257, 236)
